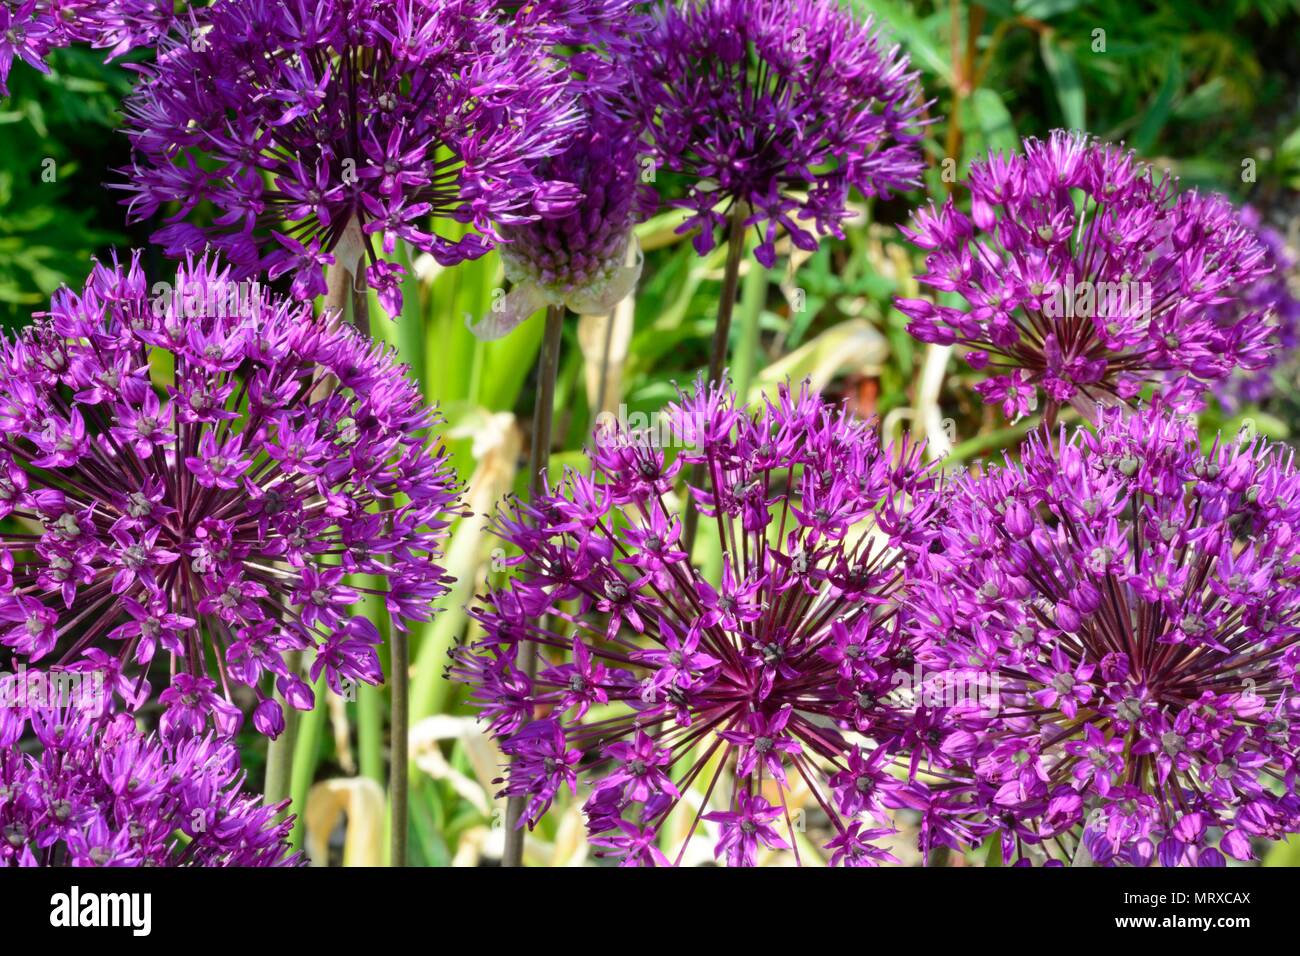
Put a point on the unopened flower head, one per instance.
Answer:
(772, 676)
(1087, 276)
(323, 131)
(1141, 602)
(97, 792)
(780, 106)
(218, 489)
(586, 257)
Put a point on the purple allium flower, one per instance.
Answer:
(1088, 299)
(323, 131)
(30, 29)
(575, 24)
(1273, 295)
(578, 256)
(782, 671)
(1140, 602)
(98, 792)
(783, 105)
(195, 469)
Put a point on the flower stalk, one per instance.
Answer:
(548, 364)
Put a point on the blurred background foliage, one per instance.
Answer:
(1198, 88)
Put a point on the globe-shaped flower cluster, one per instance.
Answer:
(198, 470)
(1140, 601)
(780, 106)
(775, 672)
(1086, 276)
(322, 131)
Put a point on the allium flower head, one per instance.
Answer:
(587, 258)
(783, 105)
(574, 25)
(1272, 294)
(100, 793)
(30, 29)
(1140, 601)
(773, 674)
(323, 131)
(1087, 276)
(195, 469)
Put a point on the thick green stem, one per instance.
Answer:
(730, 279)
(548, 365)
(361, 305)
(306, 758)
(280, 751)
(753, 296)
(398, 770)
(338, 289)
(721, 337)
(603, 388)
(370, 732)
(369, 698)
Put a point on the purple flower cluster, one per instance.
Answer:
(572, 25)
(101, 793)
(199, 469)
(1086, 276)
(322, 131)
(1140, 601)
(781, 671)
(780, 106)
(30, 29)
(1273, 296)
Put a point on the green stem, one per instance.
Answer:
(548, 364)
(280, 751)
(410, 331)
(603, 388)
(370, 732)
(721, 338)
(338, 288)
(306, 757)
(399, 772)
(730, 279)
(361, 304)
(753, 297)
(992, 440)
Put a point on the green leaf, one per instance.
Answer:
(1044, 9)
(1064, 71)
(996, 127)
(1283, 854)
(1162, 107)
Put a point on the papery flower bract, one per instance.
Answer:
(193, 469)
(1086, 300)
(98, 792)
(780, 105)
(322, 131)
(1273, 295)
(1140, 601)
(785, 671)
